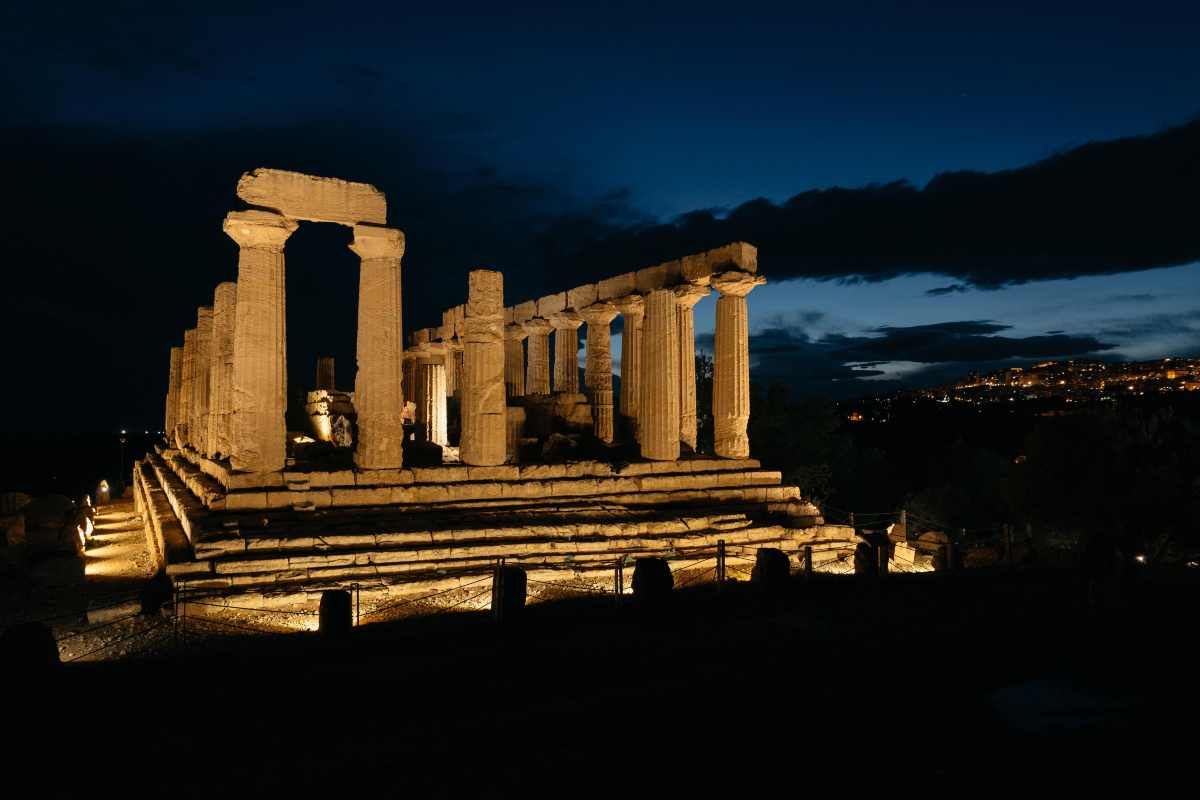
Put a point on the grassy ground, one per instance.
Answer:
(916, 682)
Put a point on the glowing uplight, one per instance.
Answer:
(1140, 558)
(302, 439)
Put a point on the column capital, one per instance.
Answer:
(537, 326)
(566, 320)
(598, 313)
(431, 349)
(736, 284)
(376, 241)
(515, 333)
(259, 230)
(632, 306)
(688, 294)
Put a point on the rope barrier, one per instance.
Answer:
(426, 597)
(568, 587)
(253, 610)
(227, 624)
(99, 627)
(124, 638)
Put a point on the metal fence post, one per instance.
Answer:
(808, 561)
(720, 563)
(357, 605)
(619, 580)
(498, 591)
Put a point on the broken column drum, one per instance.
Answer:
(537, 370)
(632, 308)
(378, 393)
(731, 363)
(221, 371)
(257, 430)
(484, 415)
(658, 420)
(514, 360)
(687, 295)
(598, 368)
(566, 351)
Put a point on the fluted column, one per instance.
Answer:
(258, 434)
(484, 414)
(326, 373)
(598, 367)
(408, 379)
(686, 297)
(731, 363)
(173, 392)
(458, 368)
(632, 308)
(659, 406)
(183, 406)
(453, 350)
(514, 360)
(431, 395)
(221, 369)
(566, 351)
(537, 366)
(378, 394)
(201, 366)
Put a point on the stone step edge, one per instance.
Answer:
(449, 473)
(396, 587)
(265, 543)
(314, 566)
(166, 539)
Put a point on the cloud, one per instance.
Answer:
(943, 290)
(1100, 208)
(847, 365)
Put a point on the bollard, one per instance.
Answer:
(508, 593)
(808, 561)
(720, 563)
(771, 568)
(881, 558)
(28, 649)
(652, 580)
(336, 614)
(865, 561)
(156, 593)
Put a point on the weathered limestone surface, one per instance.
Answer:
(598, 369)
(431, 398)
(658, 420)
(326, 378)
(221, 371)
(257, 430)
(186, 377)
(687, 295)
(731, 363)
(514, 360)
(378, 396)
(537, 370)
(201, 366)
(173, 391)
(632, 308)
(566, 350)
(309, 197)
(484, 415)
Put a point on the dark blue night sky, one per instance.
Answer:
(541, 140)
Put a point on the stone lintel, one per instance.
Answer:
(314, 198)
(582, 296)
(617, 286)
(551, 304)
(523, 312)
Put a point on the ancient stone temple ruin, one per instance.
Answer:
(464, 443)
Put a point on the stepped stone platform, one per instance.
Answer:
(276, 540)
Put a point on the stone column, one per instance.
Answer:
(452, 351)
(409, 376)
(566, 351)
(514, 360)
(431, 396)
(378, 396)
(731, 363)
(484, 413)
(659, 397)
(686, 296)
(258, 434)
(537, 366)
(173, 392)
(632, 308)
(183, 406)
(458, 369)
(516, 426)
(221, 370)
(326, 377)
(202, 365)
(598, 371)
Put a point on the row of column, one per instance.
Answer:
(658, 387)
(227, 390)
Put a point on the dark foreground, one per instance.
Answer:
(917, 683)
